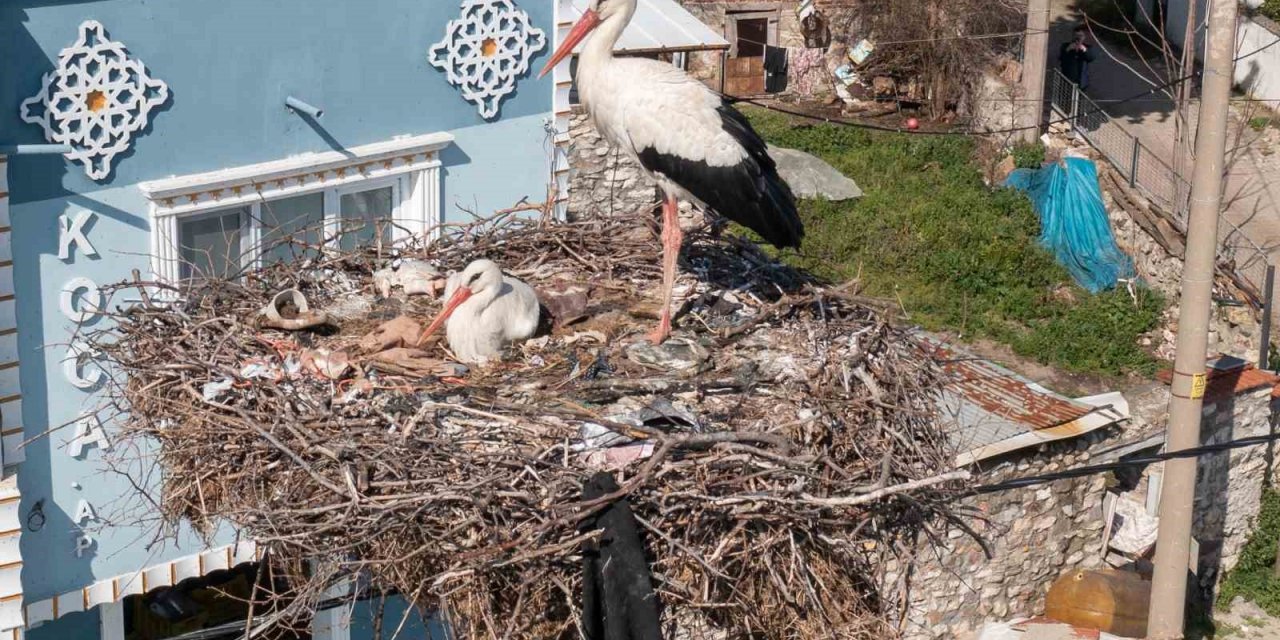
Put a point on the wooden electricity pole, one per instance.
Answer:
(1035, 53)
(1177, 493)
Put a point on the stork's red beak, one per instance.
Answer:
(459, 296)
(586, 23)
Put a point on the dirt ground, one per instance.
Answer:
(1242, 620)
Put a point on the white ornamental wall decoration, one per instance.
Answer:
(96, 100)
(485, 50)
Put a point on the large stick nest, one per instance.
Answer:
(793, 432)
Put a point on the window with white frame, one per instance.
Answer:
(222, 223)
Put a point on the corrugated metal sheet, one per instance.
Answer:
(994, 410)
(1230, 377)
(659, 25)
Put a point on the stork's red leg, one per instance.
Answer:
(671, 239)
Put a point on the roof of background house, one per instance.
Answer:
(997, 411)
(658, 26)
(1231, 376)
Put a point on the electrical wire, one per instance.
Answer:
(1141, 461)
(877, 43)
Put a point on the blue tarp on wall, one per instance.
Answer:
(1073, 221)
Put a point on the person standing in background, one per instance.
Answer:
(1075, 56)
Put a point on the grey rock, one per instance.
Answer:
(811, 177)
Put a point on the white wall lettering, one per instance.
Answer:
(89, 432)
(84, 511)
(90, 303)
(71, 232)
(76, 370)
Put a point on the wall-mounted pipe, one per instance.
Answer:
(34, 149)
(302, 107)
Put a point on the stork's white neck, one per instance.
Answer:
(598, 47)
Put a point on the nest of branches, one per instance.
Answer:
(778, 444)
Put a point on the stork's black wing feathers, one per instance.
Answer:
(750, 192)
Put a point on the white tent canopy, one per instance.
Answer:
(658, 26)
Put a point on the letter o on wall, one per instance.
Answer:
(90, 303)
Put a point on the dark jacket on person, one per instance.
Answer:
(1075, 64)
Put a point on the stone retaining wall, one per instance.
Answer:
(602, 181)
(1036, 534)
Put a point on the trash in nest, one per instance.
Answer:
(617, 457)
(676, 354)
(211, 390)
(416, 362)
(289, 310)
(415, 277)
(401, 331)
(330, 364)
(861, 51)
(566, 302)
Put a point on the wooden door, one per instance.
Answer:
(748, 33)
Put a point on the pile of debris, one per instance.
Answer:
(773, 449)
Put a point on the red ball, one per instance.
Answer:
(913, 124)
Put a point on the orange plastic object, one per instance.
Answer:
(1103, 599)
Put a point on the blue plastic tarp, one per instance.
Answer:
(1073, 221)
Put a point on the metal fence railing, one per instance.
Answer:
(1153, 177)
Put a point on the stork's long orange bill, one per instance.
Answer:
(589, 20)
(459, 296)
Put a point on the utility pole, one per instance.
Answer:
(1177, 494)
(1035, 52)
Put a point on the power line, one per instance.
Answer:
(1141, 461)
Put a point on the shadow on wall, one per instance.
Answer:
(46, 523)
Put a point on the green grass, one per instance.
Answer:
(959, 255)
(1270, 9)
(1028, 155)
(1252, 577)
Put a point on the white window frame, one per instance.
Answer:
(411, 165)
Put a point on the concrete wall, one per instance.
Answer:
(1259, 74)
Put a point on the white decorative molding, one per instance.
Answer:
(294, 176)
(485, 50)
(561, 111)
(410, 164)
(96, 100)
(139, 582)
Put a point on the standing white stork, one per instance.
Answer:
(485, 310)
(688, 138)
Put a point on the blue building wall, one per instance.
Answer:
(229, 66)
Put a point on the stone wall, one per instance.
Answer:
(1229, 484)
(603, 181)
(1036, 534)
(705, 65)
(1233, 330)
